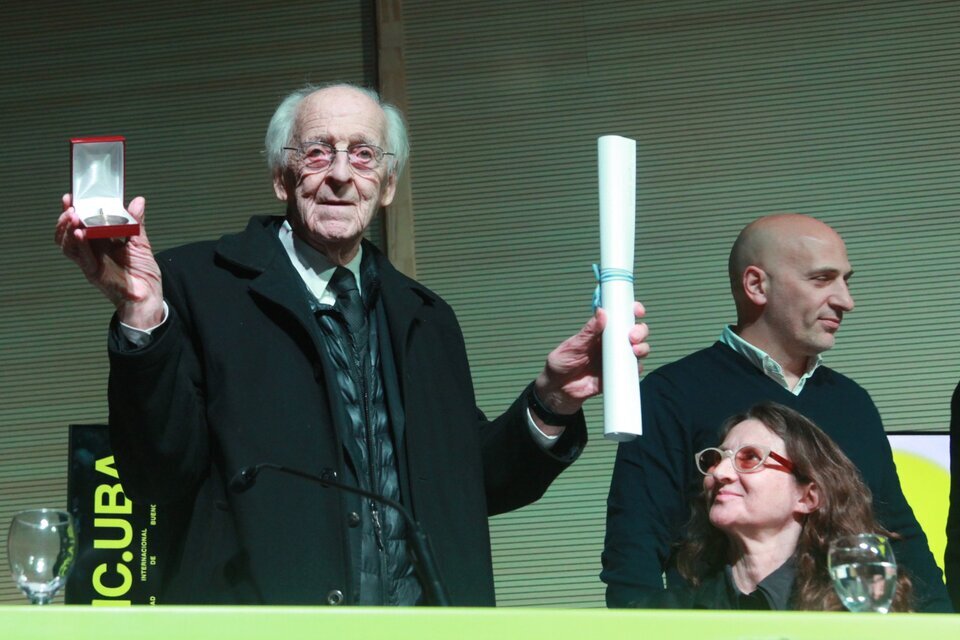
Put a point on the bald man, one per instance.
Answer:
(789, 275)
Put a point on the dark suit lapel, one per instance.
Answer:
(272, 278)
(401, 313)
(404, 302)
(276, 282)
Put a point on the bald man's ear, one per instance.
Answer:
(755, 285)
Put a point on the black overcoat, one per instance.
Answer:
(236, 377)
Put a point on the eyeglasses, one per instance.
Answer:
(320, 155)
(749, 458)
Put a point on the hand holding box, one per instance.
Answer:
(98, 167)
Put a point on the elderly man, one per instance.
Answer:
(296, 342)
(789, 276)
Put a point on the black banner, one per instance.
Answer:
(120, 550)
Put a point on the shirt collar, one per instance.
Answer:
(776, 588)
(313, 266)
(770, 367)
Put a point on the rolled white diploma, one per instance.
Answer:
(617, 163)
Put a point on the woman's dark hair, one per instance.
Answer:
(845, 508)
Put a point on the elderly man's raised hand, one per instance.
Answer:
(126, 272)
(573, 370)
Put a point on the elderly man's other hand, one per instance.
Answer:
(573, 370)
(125, 271)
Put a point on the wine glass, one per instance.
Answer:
(864, 572)
(41, 548)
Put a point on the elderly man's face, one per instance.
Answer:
(331, 208)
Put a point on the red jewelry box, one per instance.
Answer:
(97, 166)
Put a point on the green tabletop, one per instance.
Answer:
(241, 623)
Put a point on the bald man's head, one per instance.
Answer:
(765, 240)
(788, 275)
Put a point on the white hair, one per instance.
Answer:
(281, 128)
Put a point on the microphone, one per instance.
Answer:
(421, 555)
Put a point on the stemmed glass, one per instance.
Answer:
(41, 548)
(864, 572)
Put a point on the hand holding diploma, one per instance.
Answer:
(603, 355)
(574, 369)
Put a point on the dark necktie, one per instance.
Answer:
(344, 286)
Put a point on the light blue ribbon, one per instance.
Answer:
(608, 275)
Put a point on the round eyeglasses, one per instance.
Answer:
(320, 155)
(749, 458)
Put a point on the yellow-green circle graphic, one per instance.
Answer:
(926, 485)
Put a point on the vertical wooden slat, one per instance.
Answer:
(399, 219)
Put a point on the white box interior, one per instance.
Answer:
(98, 183)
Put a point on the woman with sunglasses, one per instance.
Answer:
(775, 493)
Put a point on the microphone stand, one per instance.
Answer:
(421, 552)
